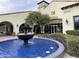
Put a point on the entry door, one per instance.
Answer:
(54, 28)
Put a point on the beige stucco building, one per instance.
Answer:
(63, 12)
(12, 21)
(63, 17)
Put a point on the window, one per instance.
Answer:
(76, 22)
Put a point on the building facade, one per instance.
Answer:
(64, 16)
(11, 22)
(60, 17)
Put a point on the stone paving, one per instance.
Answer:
(4, 38)
(68, 56)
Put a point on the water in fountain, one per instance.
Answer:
(37, 48)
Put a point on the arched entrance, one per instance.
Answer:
(6, 28)
(24, 28)
(55, 25)
(37, 29)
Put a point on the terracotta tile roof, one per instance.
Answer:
(43, 1)
(70, 6)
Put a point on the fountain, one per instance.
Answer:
(38, 47)
(41, 47)
(25, 37)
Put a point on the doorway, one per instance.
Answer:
(6, 28)
(52, 28)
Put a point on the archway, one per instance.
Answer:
(37, 29)
(6, 28)
(24, 28)
(55, 25)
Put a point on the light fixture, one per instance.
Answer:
(17, 25)
(67, 21)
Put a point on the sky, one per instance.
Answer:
(7, 6)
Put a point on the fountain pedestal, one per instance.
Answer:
(25, 38)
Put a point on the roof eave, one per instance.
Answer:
(16, 13)
(42, 1)
(70, 6)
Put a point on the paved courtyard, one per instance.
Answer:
(68, 56)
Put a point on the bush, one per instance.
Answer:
(73, 32)
(56, 36)
(73, 48)
(70, 42)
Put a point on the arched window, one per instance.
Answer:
(6, 28)
(24, 28)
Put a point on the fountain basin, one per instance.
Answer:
(25, 38)
(42, 48)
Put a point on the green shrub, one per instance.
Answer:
(59, 37)
(56, 36)
(73, 32)
(70, 42)
(72, 45)
(73, 48)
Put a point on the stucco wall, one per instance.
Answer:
(18, 18)
(15, 19)
(68, 15)
(42, 6)
(56, 7)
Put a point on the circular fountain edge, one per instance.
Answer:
(60, 51)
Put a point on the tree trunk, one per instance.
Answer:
(32, 29)
(42, 29)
